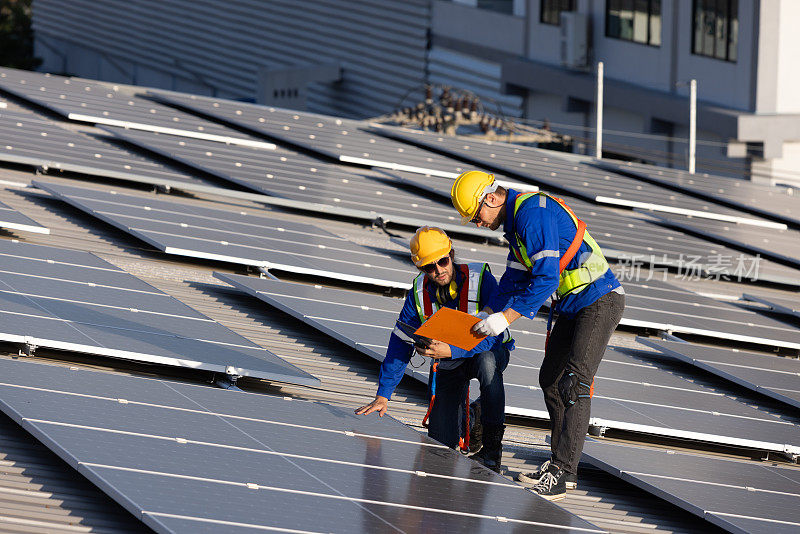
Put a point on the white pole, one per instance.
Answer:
(692, 124)
(598, 149)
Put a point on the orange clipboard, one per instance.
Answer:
(452, 327)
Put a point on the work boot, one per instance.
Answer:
(553, 485)
(492, 451)
(571, 479)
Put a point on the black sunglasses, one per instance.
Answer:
(430, 267)
(477, 218)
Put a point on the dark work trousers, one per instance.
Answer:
(447, 418)
(570, 362)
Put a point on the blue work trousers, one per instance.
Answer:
(448, 416)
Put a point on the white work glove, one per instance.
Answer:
(482, 315)
(493, 325)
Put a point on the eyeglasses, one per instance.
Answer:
(431, 267)
(477, 218)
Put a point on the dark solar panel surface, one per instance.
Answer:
(784, 305)
(548, 170)
(739, 496)
(75, 301)
(630, 392)
(244, 237)
(782, 245)
(183, 457)
(636, 242)
(99, 103)
(11, 219)
(772, 202)
(774, 376)
(29, 139)
(291, 175)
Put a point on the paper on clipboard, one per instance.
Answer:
(452, 327)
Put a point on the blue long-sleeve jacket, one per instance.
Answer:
(547, 231)
(399, 352)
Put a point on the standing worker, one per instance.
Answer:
(465, 287)
(550, 253)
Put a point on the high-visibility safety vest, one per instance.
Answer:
(468, 296)
(571, 281)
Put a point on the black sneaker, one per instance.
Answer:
(535, 477)
(553, 485)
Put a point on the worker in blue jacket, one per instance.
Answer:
(465, 287)
(551, 253)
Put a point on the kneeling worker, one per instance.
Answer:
(468, 288)
(550, 253)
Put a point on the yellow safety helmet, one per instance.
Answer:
(468, 192)
(428, 245)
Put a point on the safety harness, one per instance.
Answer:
(570, 281)
(472, 275)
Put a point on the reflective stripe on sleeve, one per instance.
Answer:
(402, 335)
(542, 201)
(515, 265)
(545, 254)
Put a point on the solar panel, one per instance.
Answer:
(630, 393)
(578, 178)
(637, 243)
(11, 219)
(242, 237)
(656, 304)
(773, 376)
(332, 137)
(28, 139)
(770, 201)
(739, 496)
(74, 301)
(782, 245)
(786, 306)
(186, 458)
(114, 105)
(308, 181)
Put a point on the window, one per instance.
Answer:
(634, 20)
(551, 10)
(715, 28)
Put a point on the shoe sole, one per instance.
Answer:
(553, 497)
(528, 480)
(572, 485)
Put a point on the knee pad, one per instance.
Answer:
(571, 388)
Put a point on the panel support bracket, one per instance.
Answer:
(27, 349)
(228, 380)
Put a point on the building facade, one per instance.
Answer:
(534, 59)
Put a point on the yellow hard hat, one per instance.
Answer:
(468, 192)
(428, 245)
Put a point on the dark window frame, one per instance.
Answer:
(731, 14)
(649, 24)
(550, 6)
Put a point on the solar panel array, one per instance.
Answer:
(11, 219)
(301, 178)
(579, 179)
(630, 394)
(770, 375)
(185, 458)
(29, 139)
(768, 201)
(243, 237)
(114, 105)
(74, 301)
(332, 137)
(736, 495)
(639, 243)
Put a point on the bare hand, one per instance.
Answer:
(436, 350)
(380, 405)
